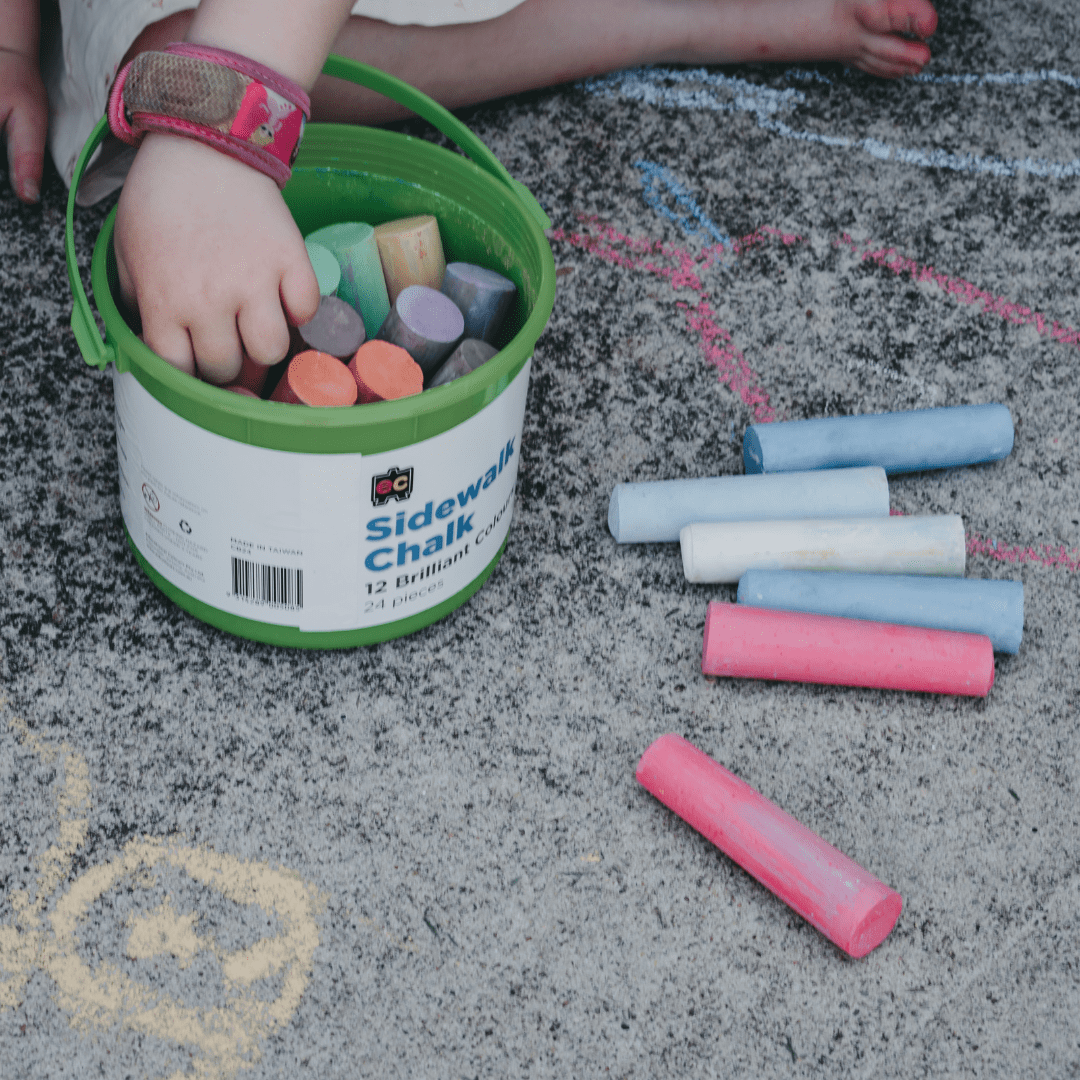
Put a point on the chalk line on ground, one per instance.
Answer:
(701, 89)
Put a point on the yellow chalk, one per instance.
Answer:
(411, 252)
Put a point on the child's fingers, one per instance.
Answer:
(25, 130)
(263, 329)
(171, 342)
(300, 291)
(218, 351)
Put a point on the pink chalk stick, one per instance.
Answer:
(792, 646)
(846, 903)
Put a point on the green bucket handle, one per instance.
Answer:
(100, 353)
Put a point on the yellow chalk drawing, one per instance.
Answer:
(164, 930)
(223, 1040)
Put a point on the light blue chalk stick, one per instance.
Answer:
(993, 608)
(656, 511)
(899, 441)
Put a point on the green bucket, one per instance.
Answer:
(329, 528)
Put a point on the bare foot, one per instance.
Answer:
(874, 35)
(882, 49)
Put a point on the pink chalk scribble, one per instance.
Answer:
(965, 292)
(1044, 555)
(607, 243)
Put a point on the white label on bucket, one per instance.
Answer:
(317, 541)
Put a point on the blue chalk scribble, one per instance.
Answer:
(701, 89)
(658, 181)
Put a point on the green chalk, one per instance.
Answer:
(362, 283)
(326, 268)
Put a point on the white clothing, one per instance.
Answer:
(95, 35)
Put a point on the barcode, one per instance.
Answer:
(275, 586)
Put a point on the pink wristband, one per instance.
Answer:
(218, 97)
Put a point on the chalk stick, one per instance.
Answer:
(325, 266)
(362, 283)
(316, 379)
(411, 252)
(426, 324)
(793, 646)
(384, 372)
(484, 297)
(898, 441)
(466, 358)
(834, 894)
(723, 551)
(243, 391)
(335, 328)
(655, 511)
(993, 608)
(252, 375)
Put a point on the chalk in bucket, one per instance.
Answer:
(341, 526)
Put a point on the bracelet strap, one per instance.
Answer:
(234, 104)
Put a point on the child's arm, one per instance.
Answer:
(24, 110)
(206, 248)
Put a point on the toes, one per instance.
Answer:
(897, 55)
(914, 17)
(884, 69)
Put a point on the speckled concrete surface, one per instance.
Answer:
(468, 881)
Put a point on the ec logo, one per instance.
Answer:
(395, 484)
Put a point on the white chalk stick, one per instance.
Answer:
(722, 552)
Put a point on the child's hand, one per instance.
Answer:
(24, 117)
(210, 256)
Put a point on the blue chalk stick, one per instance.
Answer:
(899, 441)
(993, 608)
(657, 510)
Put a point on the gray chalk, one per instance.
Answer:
(466, 358)
(483, 296)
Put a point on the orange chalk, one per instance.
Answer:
(411, 253)
(316, 379)
(385, 372)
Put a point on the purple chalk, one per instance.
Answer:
(484, 297)
(467, 357)
(335, 329)
(426, 324)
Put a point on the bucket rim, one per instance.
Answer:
(349, 429)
